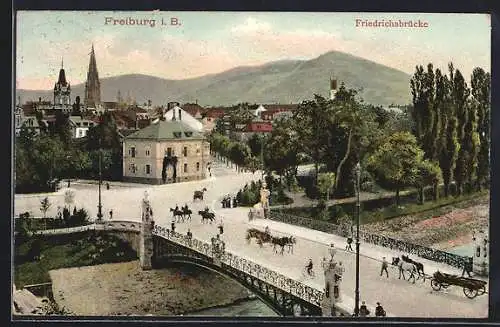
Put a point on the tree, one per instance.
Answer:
(480, 89)
(459, 95)
(428, 174)
(281, 150)
(238, 153)
(325, 183)
(448, 141)
(44, 207)
(396, 163)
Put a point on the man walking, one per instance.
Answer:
(221, 227)
(467, 267)
(348, 247)
(110, 214)
(385, 264)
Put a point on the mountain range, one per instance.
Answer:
(285, 81)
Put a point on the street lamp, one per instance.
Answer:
(99, 206)
(262, 157)
(357, 171)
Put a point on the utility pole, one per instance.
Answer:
(99, 206)
(358, 177)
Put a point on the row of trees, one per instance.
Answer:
(235, 152)
(53, 154)
(452, 124)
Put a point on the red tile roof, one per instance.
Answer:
(193, 108)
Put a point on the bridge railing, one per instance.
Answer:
(380, 240)
(269, 276)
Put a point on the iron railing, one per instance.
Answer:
(380, 240)
(286, 284)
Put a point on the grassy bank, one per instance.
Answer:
(383, 209)
(35, 256)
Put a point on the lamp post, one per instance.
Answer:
(262, 158)
(356, 292)
(99, 206)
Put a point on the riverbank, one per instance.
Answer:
(443, 232)
(120, 289)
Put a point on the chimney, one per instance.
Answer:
(180, 112)
(173, 114)
(196, 101)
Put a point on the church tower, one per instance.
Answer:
(333, 88)
(92, 86)
(62, 90)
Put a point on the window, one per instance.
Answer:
(185, 167)
(197, 166)
(132, 168)
(147, 152)
(169, 152)
(148, 169)
(185, 151)
(132, 152)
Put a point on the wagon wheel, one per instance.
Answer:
(470, 293)
(435, 285)
(445, 285)
(482, 290)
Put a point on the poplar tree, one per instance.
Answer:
(460, 93)
(481, 88)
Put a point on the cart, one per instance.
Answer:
(471, 287)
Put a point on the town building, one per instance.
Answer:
(80, 126)
(62, 97)
(167, 151)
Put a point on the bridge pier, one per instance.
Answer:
(146, 236)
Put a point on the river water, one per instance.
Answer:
(254, 308)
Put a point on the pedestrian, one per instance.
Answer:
(467, 267)
(189, 236)
(110, 214)
(379, 311)
(332, 251)
(221, 227)
(173, 226)
(107, 186)
(385, 264)
(348, 247)
(234, 203)
(363, 310)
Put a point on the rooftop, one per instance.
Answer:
(167, 130)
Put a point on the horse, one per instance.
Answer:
(283, 241)
(187, 212)
(418, 265)
(199, 194)
(206, 215)
(177, 213)
(405, 266)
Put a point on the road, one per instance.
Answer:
(398, 297)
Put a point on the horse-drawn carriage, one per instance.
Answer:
(471, 287)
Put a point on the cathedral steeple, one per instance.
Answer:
(62, 91)
(92, 86)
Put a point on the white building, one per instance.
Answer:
(80, 127)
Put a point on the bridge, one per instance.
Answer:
(287, 297)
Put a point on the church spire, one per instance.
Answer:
(92, 86)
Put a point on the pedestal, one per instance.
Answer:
(333, 276)
(146, 237)
(480, 257)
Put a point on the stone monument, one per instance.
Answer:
(333, 271)
(264, 199)
(146, 235)
(481, 256)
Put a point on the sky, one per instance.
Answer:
(211, 42)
